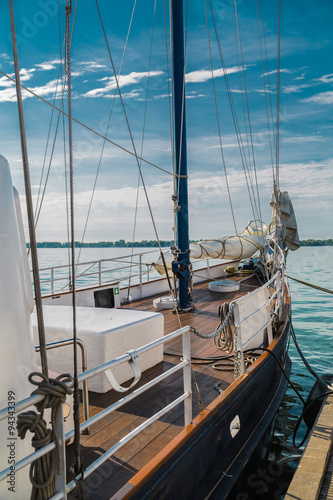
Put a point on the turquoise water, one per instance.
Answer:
(312, 316)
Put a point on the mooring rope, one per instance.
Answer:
(322, 289)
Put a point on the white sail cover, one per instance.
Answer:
(284, 219)
(242, 246)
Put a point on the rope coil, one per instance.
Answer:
(42, 470)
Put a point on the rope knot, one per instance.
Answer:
(54, 390)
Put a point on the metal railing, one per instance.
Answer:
(254, 313)
(186, 398)
(133, 268)
(81, 344)
(56, 279)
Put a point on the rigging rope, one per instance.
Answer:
(265, 94)
(60, 76)
(218, 123)
(234, 116)
(77, 467)
(268, 78)
(171, 121)
(30, 211)
(277, 142)
(248, 110)
(135, 152)
(106, 133)
(86, 126)
(141, 151)
(242, 97)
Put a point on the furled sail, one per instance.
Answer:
(284, 220)
(242, 246)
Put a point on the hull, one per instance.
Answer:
(206, 459)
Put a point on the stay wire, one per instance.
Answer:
(141, 151)
(77, 455)
(171, 122)
(277, 142)
(234, 116)
(47, 145)
(104, 140)
(29, 204)
(248, 110)
(39, 205)
(268, 78)
(242, 96)
(265, 94)
(135, 154)
(218, 123)
(63, 77)
(86, 126)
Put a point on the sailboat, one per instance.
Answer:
(179, 396)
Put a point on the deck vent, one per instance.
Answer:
(104, 298)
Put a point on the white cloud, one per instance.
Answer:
(9, 94)
(4, 56)
(5, 82)
(304, 138)
(291, 89)
(284, 70)
(321, 98)
(203, 75)
(126, 95)
(309, 184)
(326, 78)
(25, 75)
(301, 77)
(123, 80)
(47, 65)
(92, 66)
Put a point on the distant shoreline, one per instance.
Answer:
(149, 244)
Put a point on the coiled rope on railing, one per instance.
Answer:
(42, 470)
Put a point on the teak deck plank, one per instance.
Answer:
(138, 452)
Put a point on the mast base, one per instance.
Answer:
(184, 310)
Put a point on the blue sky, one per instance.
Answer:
(306, 153)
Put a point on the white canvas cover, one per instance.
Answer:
(284, 220)
(242, 246)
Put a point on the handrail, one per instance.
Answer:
(186, 397)
(264, 310)
(97, 272)
(81, 344)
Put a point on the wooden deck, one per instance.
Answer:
(313, 478)
(133, 456)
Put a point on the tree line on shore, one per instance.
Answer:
(148, 243)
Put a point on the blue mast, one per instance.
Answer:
(182, 266)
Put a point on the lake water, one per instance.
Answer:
(312, 316)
